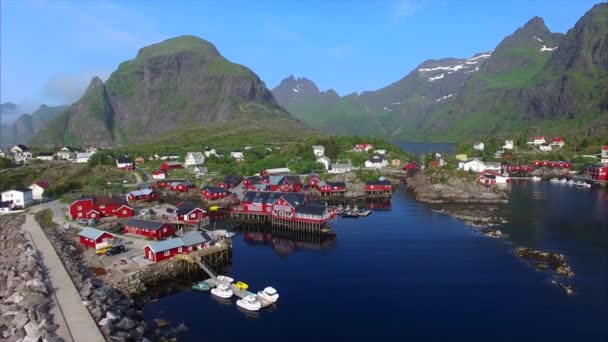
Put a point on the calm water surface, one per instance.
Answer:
(411, 273)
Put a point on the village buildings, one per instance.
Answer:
(237, 155)
(475, 165)
(156, 230)
(18, 198)
(46, 156)
(318, 150)
(188, 212)
(538, 140)
(38, 189)
(187, 243)
(342, 166)
(604, 154)
(5, 207)
(159, 174)
(142, 195)
(66, 153)
(170, 165)
(212, 193)
(83, 157)
(376, 162)
(331, 188)
(363, 147)
(325, 161)
(125, 163)
(508, 145)
(557, 142)
(20, 154)
(478, 146)
(97, 207)
(194, 159)
(95, 238)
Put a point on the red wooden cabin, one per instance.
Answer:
(167, 249)
(95, 238)
(171, 165)
(156, 230)
(188, 212)
(334, 188)
(181, 186)
(214, 193)
(98, 207)
(144, 195)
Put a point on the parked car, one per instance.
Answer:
(170, 211)
(116, 250)
(103, 250)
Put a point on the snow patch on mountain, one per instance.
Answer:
(440, 76)
(444, 97)
(540, 40)
(545, 48)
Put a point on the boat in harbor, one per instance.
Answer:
(582, 185)
(250, 303)
(350, 214)
(554, 180)
(225, 279)
(364, 212)
(570, 182)
(535, 179)
(202, 286)
(222, 291)
(563, 180)
(241, 285)
(270, 294)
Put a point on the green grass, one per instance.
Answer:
(45, 219)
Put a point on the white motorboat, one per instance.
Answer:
(582, 184)
(536, 179)
(222, 291)
(225, 279)
(554, 180)
(269, 294)
(570, 182)
(563, 180)
(250, 303)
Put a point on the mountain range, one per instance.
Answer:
(178, 84)
(25, 126)
(534, 80)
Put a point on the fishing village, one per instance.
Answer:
(170, 225)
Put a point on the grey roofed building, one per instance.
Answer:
(145, 224)
(91, 233)
(166, 245)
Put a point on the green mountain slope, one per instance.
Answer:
(179, 83)
(26, 125)
(534, 80)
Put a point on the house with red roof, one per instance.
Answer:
(363, 147)
(538, 140)
(38, 189)
(557, 142)
(95, 238)
(88, 207)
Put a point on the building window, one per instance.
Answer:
(124, 212)
(79, 207)
(179, 250)
(79, 214)
(164, 230)
(167, 253)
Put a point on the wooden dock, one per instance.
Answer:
(213, 280)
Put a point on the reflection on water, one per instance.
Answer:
(285, 243)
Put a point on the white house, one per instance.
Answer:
(169, 158)
(492, 167)
(200, 170)
(538, 140)
(66, 153)
(325, 161)
(377, 162)
(382, 152)
(2, 155)
(475, 165)
(45, 156)
(21, 154)
(545, 148)
(18, 197)
(210, 152)
(318, 150)
(38, 189)
(604, 154)
(238, 155)
(558, 142)
(194, 158)
(5, 207)
(342, 166)
(478, 146)
(508, 145)
(83, 157)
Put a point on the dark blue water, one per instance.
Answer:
(418, 148)
(413, 274)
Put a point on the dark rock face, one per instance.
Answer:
(179, 82)
(26, 125)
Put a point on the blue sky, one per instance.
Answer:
(50, 49)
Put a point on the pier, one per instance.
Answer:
(213, 280)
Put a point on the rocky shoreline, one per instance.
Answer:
(551, 262)
(118, 316)
(25, 296)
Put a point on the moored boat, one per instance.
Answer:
(350, 214)
(250, 303)
(535, 179)
(222, 291)
(225, 279)
(563, 180)
(202, 286)
(554, 180)
(241, 285)
(364, 212)
(269, 294)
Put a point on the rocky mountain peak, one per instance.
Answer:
(185, 43)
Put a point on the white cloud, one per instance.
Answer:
(69, 87)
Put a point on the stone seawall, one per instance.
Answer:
(25, 296)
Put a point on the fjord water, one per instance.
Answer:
(412, 273)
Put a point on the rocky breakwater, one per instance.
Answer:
(459, 194)
(119, 317)
(25, 296)
(550, 262)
